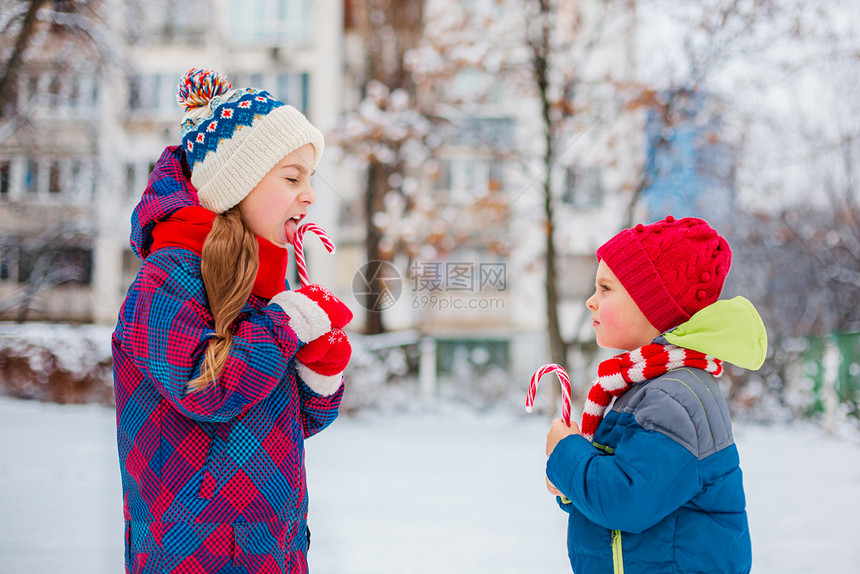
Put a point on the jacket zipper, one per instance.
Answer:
(617, 553)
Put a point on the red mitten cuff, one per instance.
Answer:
(313, 311)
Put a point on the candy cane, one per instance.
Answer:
(565, 389)
(300, 256)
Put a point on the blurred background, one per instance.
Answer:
(477, 154)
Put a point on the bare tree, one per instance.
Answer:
(20, 25)
(389, 30)
(56, 256)
(53, 56)
(712, 37)
(796, 232)
(410, 109)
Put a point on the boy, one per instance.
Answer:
(654, 484)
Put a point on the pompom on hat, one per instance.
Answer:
(233, 137)
(672, 268)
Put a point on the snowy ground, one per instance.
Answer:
(450, 491)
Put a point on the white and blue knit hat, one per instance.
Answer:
(232, 138)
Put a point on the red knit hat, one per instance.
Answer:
(671, 268)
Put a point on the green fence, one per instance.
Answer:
(844, 354)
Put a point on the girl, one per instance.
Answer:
(220, 372)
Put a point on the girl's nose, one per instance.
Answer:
(308, 195)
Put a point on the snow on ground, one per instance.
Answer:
(447, 491)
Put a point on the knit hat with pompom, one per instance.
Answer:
(671, 268)
(232, 138)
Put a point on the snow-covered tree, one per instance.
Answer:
(411, 107)
(786, 76)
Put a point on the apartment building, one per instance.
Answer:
(97, 110)
(93, 109)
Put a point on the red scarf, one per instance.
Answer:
(189, 227)
(616, 375)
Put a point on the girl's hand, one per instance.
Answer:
(327, 355)
(313, 311)
(557, 432)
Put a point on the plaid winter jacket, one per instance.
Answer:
(212, 481)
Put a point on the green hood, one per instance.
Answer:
(730, 330)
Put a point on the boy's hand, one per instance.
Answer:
(558, 431)
(552, 489)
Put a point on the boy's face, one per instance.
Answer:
(616, 319)
(275, 206)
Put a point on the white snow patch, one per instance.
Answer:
(448, 491)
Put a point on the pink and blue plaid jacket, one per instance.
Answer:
(213, 481)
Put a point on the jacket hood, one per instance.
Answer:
(730, 330)
(168, 189)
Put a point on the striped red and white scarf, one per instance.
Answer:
(616, 375)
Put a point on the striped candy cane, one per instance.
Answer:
(300, 256)
(565, 389)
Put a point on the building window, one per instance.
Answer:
(496, 180)
(74, 176)
(495, 133)
(93, 94)
(50, 179)
(32, 88)
(59, 90)
(153, 93)
(134, 100)
(57, 266)
(74, 91)
(466, 177)
(714, 162)
(293, 89)
(94, 178)
(166, 21)
(8, 259)
(75, 265)
(54, 185)
(443, 175)
(5, 170)
(273, 22)
(284, 88)
(31, 178)
(130, 182)
(583, 188)
(306, 81)
(54, 90)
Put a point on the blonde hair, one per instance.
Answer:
(229, 264)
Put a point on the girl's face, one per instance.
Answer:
(616, 319)
(275, 206)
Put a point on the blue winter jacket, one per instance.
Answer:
(659, 489)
